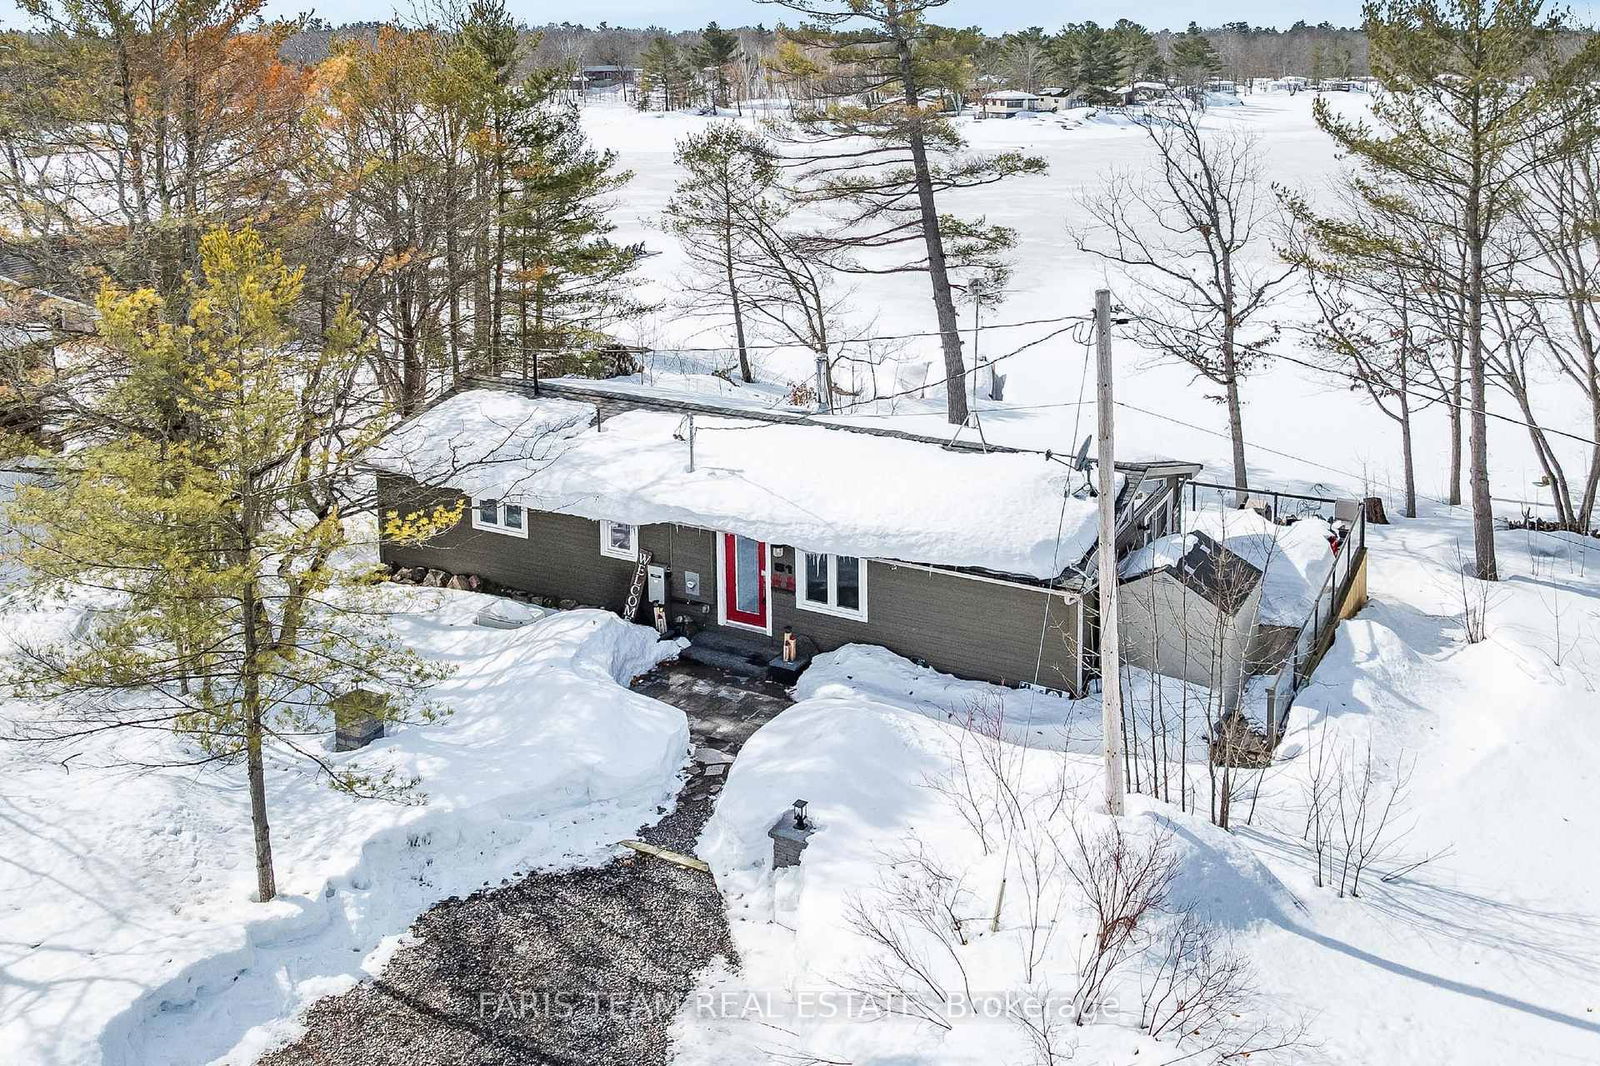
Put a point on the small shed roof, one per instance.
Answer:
(805, 485)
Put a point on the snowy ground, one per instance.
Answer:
(1305, 430)
(1487, 954)
(127, 935)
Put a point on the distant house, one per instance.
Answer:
(1056, 98)
(1145, 92)
(746, 525)
(1008, 103)
(608, 76)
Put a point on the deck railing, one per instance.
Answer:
(1316, 633)
(1311, 643)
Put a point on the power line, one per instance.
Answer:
(1312, 462)
(965, 370)
(846, 409)
(567, 349)
(1440, 398)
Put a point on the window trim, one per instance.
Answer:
(803, 603)
(630, 554)
(497, 526)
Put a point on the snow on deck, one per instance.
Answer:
(821, 489)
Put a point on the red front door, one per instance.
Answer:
(744, 581)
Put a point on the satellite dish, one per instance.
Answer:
(1081, 460)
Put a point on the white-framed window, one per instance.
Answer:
(497, 516)
(619, 540)
(832, 584)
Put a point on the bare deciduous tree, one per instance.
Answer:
(1186, 239)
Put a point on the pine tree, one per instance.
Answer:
(489, 38)
(1194, 60)
(664, 72)
(570, 281)
(215, 519)
(884, 155)
(718, 51)
(726, 190)
(1136, 49)
(1092, 61)
(1025, 57)
(1460, 124)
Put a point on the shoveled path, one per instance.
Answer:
(581, 967)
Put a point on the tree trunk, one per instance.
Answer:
(266, 881)
(1591, 485)
(1236, 433)
(452, 259)
(496, 306)
(944, 304)
(727, 224)
(1453, 496)
(191, 160)
(745, 373)
(480, 277)
(1482, 505)
(1407, 459)
(1407, 455)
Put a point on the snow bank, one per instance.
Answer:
(1021, 715)
(826, 490)
(869, 749)
(126, 931)
(1294, 559)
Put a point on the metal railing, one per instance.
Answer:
(1225, 497)
(1316, 634)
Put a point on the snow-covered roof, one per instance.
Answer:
(804, 485)
(1010, 94)
(1211, 569)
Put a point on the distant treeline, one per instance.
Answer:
(1314, 51)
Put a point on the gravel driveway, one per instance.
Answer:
(582, 967)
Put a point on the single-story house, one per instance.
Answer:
(1145, 92)
(607, 76)
(1006, 103)
(1057, 98)
(978, 563)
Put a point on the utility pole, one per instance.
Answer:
(1110, 660)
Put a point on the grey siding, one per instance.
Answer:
(966, 627)
(1169, 628)
(972, 628)
(560, 557)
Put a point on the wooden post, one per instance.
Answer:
(1110, 659)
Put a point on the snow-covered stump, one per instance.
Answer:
(790, 835)
(357, 718)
